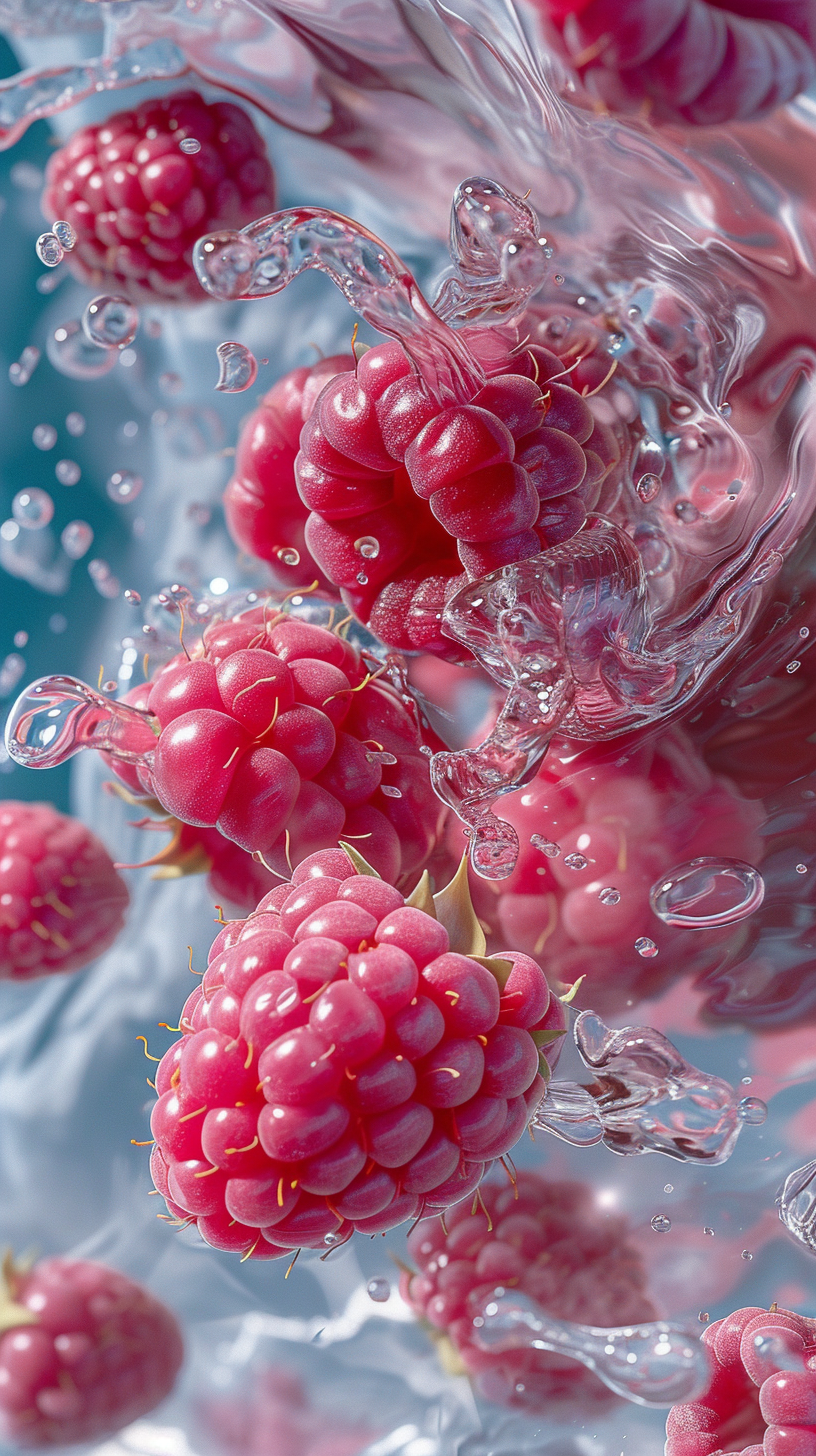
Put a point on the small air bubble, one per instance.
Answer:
(709, 1231)
(190, 145)
(801, 869)
(75, 423)
(109, 687)
(608, 896)
(123, 486)
(379, 1290)
(668, 1187)
(22, 369)
(111, 321)
(558, 279)
(288, 555)
(646, 947)
(725, 409)
(752, 1111)
(793, 666)
(547, 846)
(804, 632)
(331, 1239)
(49, 249)
(648, 487)
(64, 234)
(20, 639)
(77, 538)
(67, 472)
(133, 599)
(661, 1223)
(576, 861)
(44, 437)
(32, 508)
(704, 1316)
(746, 1255)
(390, 791)
(362, 578)
(426, 751)
(368, 546)
(686, 512)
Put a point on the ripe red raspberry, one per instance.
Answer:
(137, 201)
(277, 736)
(630, 821)
(273, 1417)
(344, 1065)
(61, 901)
(264, 512)
(546, 1239)
(404, 493)
(84, 1351)
(755, 1405)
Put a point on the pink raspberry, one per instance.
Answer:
(752, 1407)
(407, 498)
(543, 1238)
(264, 512)
(137, 201)
(343, 1066)
(274, 1417)
(278, 736)
(84, 1351)
(614, 820)
(61, 901)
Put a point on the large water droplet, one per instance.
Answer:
(57, 716)
(238, 367)
(72, 353)
(65, 235)
(111, 321)
(123, 486)
(49, 249)
(707, 892)
(32, 508)
(656, 1364)
(797, 1205)
(752, 1111)
(378, 1289)
(77, 538)
(22, 369)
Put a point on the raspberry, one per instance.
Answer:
(61, 901)
(274, 1417)
(404, 494)
(631, 821)
(264, 512)
(137, 202)
(546, 1239)
(277, 736)
(343, 1068)
(752, 1406)
(84, 1351)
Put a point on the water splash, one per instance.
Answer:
(655, 1364)
(238, 367)
(646, 1098)
(797, 1205)
(499, 255)
(707, 892)
(56, 717)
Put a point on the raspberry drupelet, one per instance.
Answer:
(277, 734)
(762, 1397)
(347, 1063)
(137, 201)
(544, 1238)
(83, 1352)
(61, 901)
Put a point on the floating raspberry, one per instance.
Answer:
(61, 901)
(274, 1417)
(280, 736)
(84, 1351)
(762, 1396)
(597, 828)
(137, 200)
(347, 1063)
(264, 512)
(546, 1239)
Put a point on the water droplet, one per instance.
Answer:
(238, 367)
(32, 508)
(44, 437)
(661, 1223)
(668, 1187)
(709, 1231)
(686, 511)
(64, 234)
(576, 861)
(67, 472)
(190, 145)
(288, 555)
(793, 666)
(362, 578)
(608, 896)
(111, 321)
(123, 487)
(73, 354)
(547, 846)
(801, 869)
(368, 546)
(746, 1255)
(752, 1111)
(648, 487)
(132, 598)
(75, 424)
(20, 639)
(390, 791)
(49, 249)
(558, 279)
(379, 1290)
(109, 686)
(426, 751)
(633, 312)
(331, 1239)
(704, 1316)
(746, 1081)
(646, 948)
(707, 892)
(77, 538)
(21, 371)
(804, 632)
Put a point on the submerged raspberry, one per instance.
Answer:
(84, 1352)
(279, 737)
(61, 901)
(546, 1239)
(762, 1397)
(273, 1417)
(343, 1067)
(137, 201)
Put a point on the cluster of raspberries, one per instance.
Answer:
(341, 1068)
